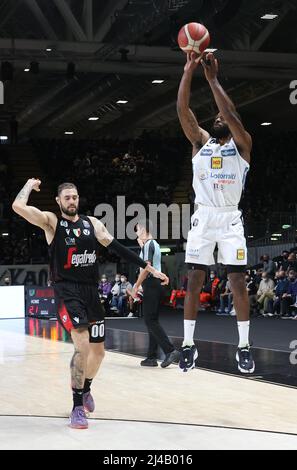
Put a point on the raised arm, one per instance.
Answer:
(107, 240)
(196, 135)
(45, 220)
(226, 107)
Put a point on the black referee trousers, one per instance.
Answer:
(152, 294)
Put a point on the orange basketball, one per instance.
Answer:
(193, 37)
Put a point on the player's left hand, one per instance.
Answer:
(210, 66)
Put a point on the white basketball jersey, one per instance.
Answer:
(219, 174)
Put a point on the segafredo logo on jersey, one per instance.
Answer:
(79, 259)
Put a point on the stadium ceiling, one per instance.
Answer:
(101, 51)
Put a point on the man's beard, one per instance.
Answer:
(220, 132)
(70, 212)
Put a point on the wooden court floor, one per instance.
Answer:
(145, 408)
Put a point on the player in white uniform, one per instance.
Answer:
(220, 164)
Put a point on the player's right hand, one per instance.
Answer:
(34, 184)
(193, 60)
(158, 274)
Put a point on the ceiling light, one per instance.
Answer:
(274, 239)
(266, 123)
(48, 49)
(93, 118)
(276, 235)
(5, 234)
(157, 81)
(26, 69)
(285, 226)
(269, 16)
(68, 132)
(3, 137)
(165, 250)
(250, 236)
(210, 50)
(122, 101)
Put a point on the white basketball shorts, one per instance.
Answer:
(216, 225)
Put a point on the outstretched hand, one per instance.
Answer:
(193, 60)
(210, 66)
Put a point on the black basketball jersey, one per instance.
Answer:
(72, 252)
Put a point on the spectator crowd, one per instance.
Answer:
(271, 286)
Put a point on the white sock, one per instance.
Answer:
(189, 328)
(243, 331)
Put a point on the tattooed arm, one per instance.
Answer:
(45, 220)
(196, 135)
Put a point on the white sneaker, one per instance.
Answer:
(130, 315)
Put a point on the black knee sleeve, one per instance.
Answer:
(195, 267)
(233, 268)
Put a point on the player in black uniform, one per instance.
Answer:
(72, 241)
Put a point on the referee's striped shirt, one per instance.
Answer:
(151, 252)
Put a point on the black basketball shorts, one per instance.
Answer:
(78, 305)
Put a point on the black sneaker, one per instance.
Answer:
(170, 358)
(188, 356)
(245, 360)
(286, 316)
(149, 363)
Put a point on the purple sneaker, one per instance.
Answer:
(88, 401)
(78, 419)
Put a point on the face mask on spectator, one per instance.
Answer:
(117, 279)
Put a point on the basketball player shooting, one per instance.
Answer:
(73, 241)
(220, 164)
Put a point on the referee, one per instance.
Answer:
(152, 294)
